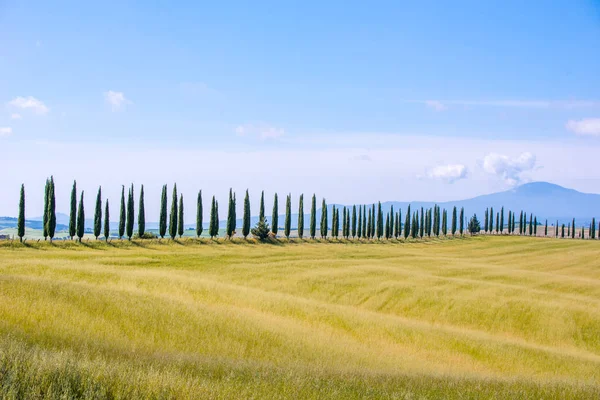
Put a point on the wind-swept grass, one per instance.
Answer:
(492, 317)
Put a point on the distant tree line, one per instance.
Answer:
(364, 222)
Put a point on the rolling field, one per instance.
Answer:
(484, 317)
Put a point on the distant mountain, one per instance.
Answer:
(11, 222)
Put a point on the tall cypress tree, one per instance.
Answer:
(569, 230)
(422, 224)
(324, 220)
(261, 213)
(535, 223)
(369, 224)
(247, 216)
(344, 227)
(407, 223)
(199, 211)
(230, 215)
(530, 224)
(130, 213)
(80, 219)
(301, 216)
(313, 217)
(546, 229)
(573, 229)
(213, 219)
(173, 214)
(334, 222)
(521, 223)
(98, 214)
(444, 223)
(51, 210)
(462, 220)
(354, 221)
(397, 227)
(347, 223)
(497, 222)
(359, 225)
(141, 215)
(364, 221)
(21, 219)
(162, 226)
(275, 216)
(502, 220)
(45, 214)
(593, 229)
(392, 220)
(106, 222)
(486, 221)
(509, 222)
(287, 227)
(180, 224)
(73, 212)
(454, 221)
(582, 232)
(491, 225)
(373, 221)
(387, 226)
(379, 221)
(122, 214)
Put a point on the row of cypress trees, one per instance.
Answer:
(366, 222)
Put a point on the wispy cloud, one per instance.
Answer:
(507, 168)
(116, 100)
(15, 116)
(29, 103)
(449, 173)
(5, 131)
(585, 127)
(440, 105)
(261, 130)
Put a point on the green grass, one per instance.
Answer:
(486, 317)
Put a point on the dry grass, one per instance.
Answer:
(490, 317)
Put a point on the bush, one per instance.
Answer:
(261, 230)
(146, 235)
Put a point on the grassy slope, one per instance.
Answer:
(490, 317)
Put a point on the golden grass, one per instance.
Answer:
(491, 317)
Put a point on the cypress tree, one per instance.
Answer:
(347, 223)
(45, 214)
(261, 213)
(324, 220)
(122, 214)
(81, 219)
(287, 228)
(486, 221)
(142, 215)
(593, 229)
(51, 210)
(422, 225)
(509, 221)
(364, 221)
(387, 226)
(379, 221)
(444, 223)
(213, 219)
(373, 221)
(98, 214)
(582, 232)
(407, 223)
(392, 216)
(369, 224)
(569, 230)
(230, 215)
(199, 211)
(573, 229)
(415, 225)
(275, 216)
(247, 216)
(513, 222)
(546, 229)
(21, 219)
(354, 222)
(398, 227)
(313, 217)
(173, 214)
(521, 223)
(301, 217)
(501, 220)
(563, 231)
(556, 229)
(491, 225)
(497, 222)
(130, 213)
(530, 224)
(73, 212)
(163, 213)
(180, 224)
(334, 221)
(535, 226)
(462, 220)
(359, 227)
(454, 221)
(106, 222)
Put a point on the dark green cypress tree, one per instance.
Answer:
(261, 213)
(130, 214)
(373, 221)
(593, 229)
(287, 228)
(497, 222)
(162, 226)
(359, 227)
(73, 212)
(569, 230)
(530, 224)
(247, 216)
(573, 229)
(354, 221)
(122, 214)
(348, 224)
(491, 226)
(98, 214)
(546, 229)
(462, 220)
(173, 214)
(454, 221)
(275, 216)
(324, 227)
(556, 229)
(391, 220)
(535, 223)
(45, 214)
(509, 222)
(213, 219)
(344, 224)
(444, 223)
(521, 223)
(415, 225)
(486, 220)
(407, 223)
(422, 224)
(563, 231)
(397, 227)
(369, 224)
(364, 221)
(106, 222)
(21, 219)
(81, 219)
(51, 210)
(502, 220)
(379, 221)
(313, 217)
(334, 222)
(230, 215)
(180, 224)
(141, 215)
(199, 212)
(387, 226)
(301, 217)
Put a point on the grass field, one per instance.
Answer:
(484, 317)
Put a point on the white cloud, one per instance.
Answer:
(586, 126)
(450, 173)
(29, 103)
(509, 169)
(15, 116)
(116, 100)
(6, 131)
(436, 105)
(261, 130)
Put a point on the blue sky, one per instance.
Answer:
(355, 101)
